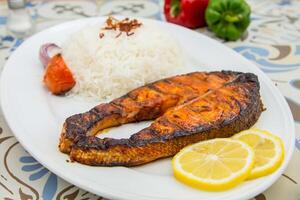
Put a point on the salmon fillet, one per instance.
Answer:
(187, 108)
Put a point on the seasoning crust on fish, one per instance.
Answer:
(186, 108)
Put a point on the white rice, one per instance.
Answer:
(109, 67)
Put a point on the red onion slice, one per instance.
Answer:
(47, 51)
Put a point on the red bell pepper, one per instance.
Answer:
(188, 13)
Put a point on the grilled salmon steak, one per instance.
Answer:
(186, 108)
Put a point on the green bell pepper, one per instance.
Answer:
(228, 19)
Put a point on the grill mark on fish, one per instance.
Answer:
(181, 85)
(156, 89)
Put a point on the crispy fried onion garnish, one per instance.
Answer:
(123, 26)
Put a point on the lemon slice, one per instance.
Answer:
(216, 164)
(268, 149)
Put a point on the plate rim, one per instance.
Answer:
(129, 196)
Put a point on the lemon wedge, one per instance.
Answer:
(268, 149)
(216, 164)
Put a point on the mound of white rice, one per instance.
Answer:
(109, 67)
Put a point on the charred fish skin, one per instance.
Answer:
(144, 103)
(221, 113)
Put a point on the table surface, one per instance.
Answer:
(272, 43)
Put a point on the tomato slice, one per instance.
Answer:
(58, 78)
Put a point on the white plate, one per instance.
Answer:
(35, 117)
